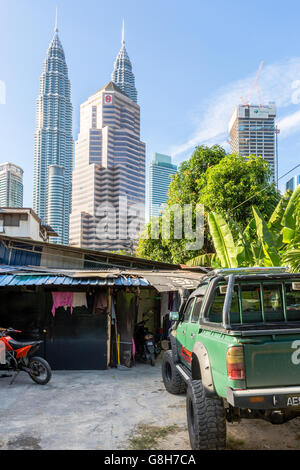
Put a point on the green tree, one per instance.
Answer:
(227, 184)
(235, 185)
(183, 190)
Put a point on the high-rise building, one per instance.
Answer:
(252, 131)
(161, 171)
(292, 183)
(109, 176)
(11, 185)
(53, 154)
(122, 74)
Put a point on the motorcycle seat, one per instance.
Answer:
(18, 344)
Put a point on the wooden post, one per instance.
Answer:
(108, 326)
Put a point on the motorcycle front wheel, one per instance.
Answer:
(152, 359)
(40, 371)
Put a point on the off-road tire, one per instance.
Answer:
(173, 381)
(205, 418)
(43, 365)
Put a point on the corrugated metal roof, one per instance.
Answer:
(10, 280)
(163, 281)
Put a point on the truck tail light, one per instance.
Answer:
(235, 363)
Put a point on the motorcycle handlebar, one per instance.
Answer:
(10, 330)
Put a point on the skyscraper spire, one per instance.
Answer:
(53, 155)
(123, 33)
(56, 21)
(122, 74)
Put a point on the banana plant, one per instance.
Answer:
(267, 240)
(290, 220)
(275, 242)
(223, 241)
(207, 259)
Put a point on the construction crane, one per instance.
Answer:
(255, 84)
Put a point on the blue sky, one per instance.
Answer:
(192, 60)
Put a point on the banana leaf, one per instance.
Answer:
(222, 240)
(244, 254)
(289, 220)
(292, 259)
(272, 257)
(274, 223)
(257, 252)
(207, 259)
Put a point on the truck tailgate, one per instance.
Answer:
(272, 361)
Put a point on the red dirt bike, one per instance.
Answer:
(18, 357)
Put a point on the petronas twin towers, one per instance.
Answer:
(53, 153)
(54, 145)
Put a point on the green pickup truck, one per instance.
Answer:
(235, 350)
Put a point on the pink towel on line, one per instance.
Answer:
(133, 348)
(62, 299)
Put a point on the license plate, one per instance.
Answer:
(293, 400)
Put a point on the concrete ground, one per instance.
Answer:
(86, 409)
(106, 409)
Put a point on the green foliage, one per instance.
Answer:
(153, 248)
(208, 259)
(184, 188)
(236, 184)
(290, 220)
(222, 183)
(261, 243)
(223, 240)
(266, 239)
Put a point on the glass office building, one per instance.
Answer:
(253, 132)
(11, 185)
(53, 153)
(292, 183)
(161, 171)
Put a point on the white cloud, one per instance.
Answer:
(289, 124)
(279, 82)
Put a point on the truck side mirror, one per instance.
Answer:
(174, 316)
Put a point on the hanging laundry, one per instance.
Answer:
(79, 300)
(62, 299)
(133, 349)
(100, 304)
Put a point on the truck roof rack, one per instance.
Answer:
(244, 271)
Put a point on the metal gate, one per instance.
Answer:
(77, 341)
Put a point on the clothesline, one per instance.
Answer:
(78, 299)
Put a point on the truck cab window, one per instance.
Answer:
(273, 305)
(188, 309)
(251, 305)
(234, 316)
(197, 309)
(216, 309)
(201, 291)
(292, 302)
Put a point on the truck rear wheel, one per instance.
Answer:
(173, 381)
(206, 419)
